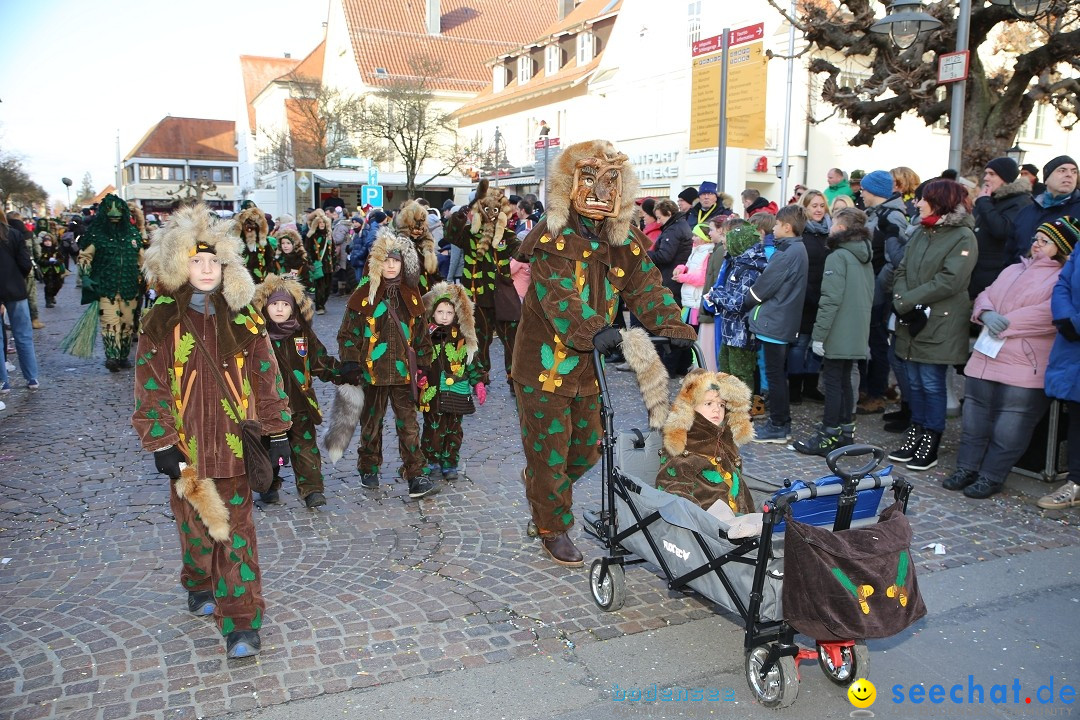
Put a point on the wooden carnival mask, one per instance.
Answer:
(598, 187)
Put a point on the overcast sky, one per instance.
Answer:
(75, 72)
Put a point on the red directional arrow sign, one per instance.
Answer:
(748, 34)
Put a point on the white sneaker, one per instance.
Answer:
(1066, 496)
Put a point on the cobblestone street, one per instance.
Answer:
(374, 588)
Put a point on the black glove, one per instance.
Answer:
(681, 343)
(606, 340)
(350, 372)
(1067, 330)
(279, 450)
(167, 461)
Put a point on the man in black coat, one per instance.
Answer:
(1003, 195)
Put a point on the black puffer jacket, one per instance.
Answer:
(14, 265)
(994, 216)
(817, 249)
(672, 248)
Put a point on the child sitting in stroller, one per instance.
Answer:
(700, 461)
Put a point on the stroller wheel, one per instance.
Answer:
(854, 662)
(780, 686)
(608, 593)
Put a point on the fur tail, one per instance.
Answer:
(652, 376)
(202, 494)
(348, 402)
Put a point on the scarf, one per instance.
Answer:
(930, 220)
(1051, 200)
(820, 227)
(198, 301)
(280, 331)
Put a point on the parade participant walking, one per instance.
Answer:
(251, 226)
(584, 255)
(412, 220)
(205, 366)
(300, 357)
(319, 247)
(446, 355)
(109, 265)
(51, 261)
(291, 258)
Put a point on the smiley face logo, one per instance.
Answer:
(862, 693)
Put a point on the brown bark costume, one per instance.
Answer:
(300, 356)
(447, 357)
(700, 461)
(580, 268)
(412, 220)
(381, 321)
(296, 262)
(179, 402)
(320, 252)
(487, 245)
(258, 258)
(51, 261)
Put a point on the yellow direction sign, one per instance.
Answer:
(745, 90)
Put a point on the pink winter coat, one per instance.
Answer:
(1022, 294)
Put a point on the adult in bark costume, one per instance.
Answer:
(487, 242)
(109, 264)
(258, 254)
(584, 255)
(320, 251)
(412, 220)
(200, 337)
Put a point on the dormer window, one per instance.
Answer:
(525, 69)
(552, 59)
(586, 45)
(498, 78)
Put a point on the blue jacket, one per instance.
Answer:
(726, 297)
(1062, 378)
(362, 246)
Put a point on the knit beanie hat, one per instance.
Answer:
(688, 195)
(1065, 232)
(742, 238)
(707, 187)
(1006, 168)
(878, 182)
(1056, 163)
(1031, 169)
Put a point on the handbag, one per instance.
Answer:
(256, 453)
(852, 584)
(318, 272)
(452, 403)
(507, 302)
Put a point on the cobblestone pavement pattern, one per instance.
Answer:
(371, 589)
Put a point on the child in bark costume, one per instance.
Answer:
(482, 231)
(447, 357)
(384, 316)
(320, 251)
(412, 220)
(700, 461)
(109, 264)
(300, 356)
(583, 255)
(202, 334)
(251, 226)
(294, 261)
(50, 258)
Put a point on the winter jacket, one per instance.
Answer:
(817, 250)
(709, 471)
(693, 278)
(259, 260)
(1031, 217)
(728, 296)
(300, 357)
(672, 248)
(370, 336)
(935, 273)
(780, 292)
(1062, 379)
(994, 217)
(712, 272)
(444, 361)
(652, 231)
(888, 224)
(847, 297)
(361, 246)
(1022, 294)
(841, 188)
(697, 215)
(761, 205)
(14, 266)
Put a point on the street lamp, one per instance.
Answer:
(780, 170)
(1027, 9)
(904, 22)
(1016, 153)
(67, 184)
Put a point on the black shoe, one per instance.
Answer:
(847, 434)
(926, 454)
(242, 644)
(901, 414)
(270, 497)
(112, 365)
(450, 474)
(369, 481)
(201, 602)
(315, 499)
(983, 488)
(822, 442)
(959, 479)
(422, 486)
(906, 452)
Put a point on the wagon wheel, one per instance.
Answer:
(854, 663)
(609, 594)
(780, 686)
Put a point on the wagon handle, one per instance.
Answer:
(834, 457)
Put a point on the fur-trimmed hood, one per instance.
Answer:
(255, 215)
(733, 393)
(614, 230)
(272, 284)
(414, 216)
(959, 217)
(463, 310)
(165, 263)
(312, 219)
(385, 241)
(1019, 186)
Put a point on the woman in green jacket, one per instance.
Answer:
(930, 296)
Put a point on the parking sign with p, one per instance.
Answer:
(371, 195)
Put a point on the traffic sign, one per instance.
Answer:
(373, 175)
(371, 195)
(303, 182)
(952, 67)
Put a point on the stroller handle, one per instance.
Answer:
(833, 460)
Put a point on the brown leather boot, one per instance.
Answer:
(562, 550)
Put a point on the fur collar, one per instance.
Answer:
(733, 392)
(560, 214)
(386, 240)
(297, 244)
(1019, 186)
(959, 217)
(273, 283)
(463, 309)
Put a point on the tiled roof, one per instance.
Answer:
(540, 84)
(257, 73)
(389, 35)
(310, 68)
(189, 138)
(587, 10)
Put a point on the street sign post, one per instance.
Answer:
(371, 195)
(373, 175)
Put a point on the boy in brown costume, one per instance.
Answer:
(201, 335)
(583, 256)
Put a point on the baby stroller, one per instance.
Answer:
(693, 550)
